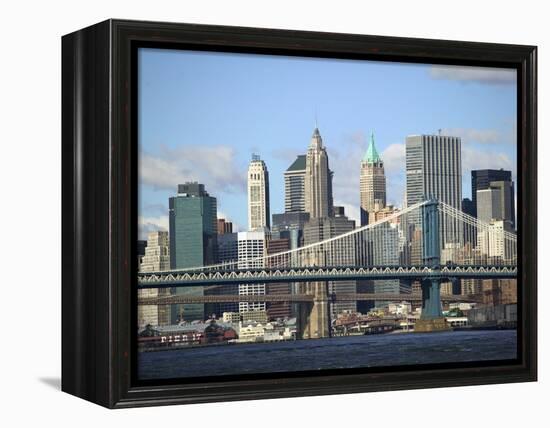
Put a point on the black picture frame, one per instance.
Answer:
(99, 223)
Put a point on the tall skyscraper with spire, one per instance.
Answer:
(318, 179)
(372, 183)
(258, 195)
(325, 221)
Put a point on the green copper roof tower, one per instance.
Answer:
(372, 184)
(371, 155)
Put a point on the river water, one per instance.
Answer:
(339, 352)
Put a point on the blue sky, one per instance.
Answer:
(202, 115)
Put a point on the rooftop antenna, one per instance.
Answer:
(316, 123)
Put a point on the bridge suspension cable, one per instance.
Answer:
(393, 241)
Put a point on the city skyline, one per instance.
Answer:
(488, 143)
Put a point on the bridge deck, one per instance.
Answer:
(292, 298)
(311, 274)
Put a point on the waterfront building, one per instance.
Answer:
(446, 288)
(231, 317)
(258, 195)
(481, 179)
(156, 258)
(251, 246)
(193, 237)
(254, 316)
(224, 226)
(434, 169)
(403, 308)
(263, 333)
(246, 317)
(251, 333)
(318, 179)
(295, 176)
(372, 183)
(469, 287)
(499, 291)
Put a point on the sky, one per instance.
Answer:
(201, 116)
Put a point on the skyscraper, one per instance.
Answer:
(488, 205)
(496, 202)
(319, 229)
(482, 178)
(228, 252)
(295, 176)
(193, 233)
(386, 251)
(251, 246)
(506, 200)
(434, 169)
(318, 179)
(156, 258)
(468, 207)
(492, 242)
(278, 309)
(224, 226)
(290, 226)
(324, 221)
(372, 183)
(258, 195)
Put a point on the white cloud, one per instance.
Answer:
(214, 166)
(393, 157)
(151, 224)
(344, 161)
(473, 158)
(473, 74)
(394, 167)
(472, 135)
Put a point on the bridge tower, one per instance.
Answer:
(313, 320)
(432, 318)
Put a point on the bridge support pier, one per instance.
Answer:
(313, 321)
(432, 318)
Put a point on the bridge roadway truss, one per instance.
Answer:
(294, 298)
(188, 278)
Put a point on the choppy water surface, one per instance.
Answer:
(339, 352)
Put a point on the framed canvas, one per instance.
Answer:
(253, 213)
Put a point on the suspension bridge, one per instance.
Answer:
(429, 242)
